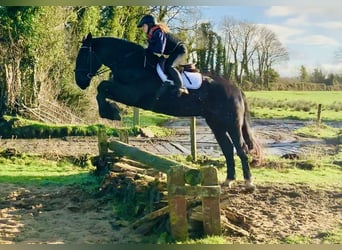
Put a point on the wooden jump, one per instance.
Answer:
(181, 182)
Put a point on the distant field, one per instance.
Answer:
(295, 104)
(323, 97)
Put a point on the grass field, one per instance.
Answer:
(302, 105)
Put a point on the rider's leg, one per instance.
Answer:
(170, 66)
(166, 82)
(162, 75)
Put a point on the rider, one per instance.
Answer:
(170, 50)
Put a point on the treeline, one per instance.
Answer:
(38, 47)
(39, 44)
(318, 76)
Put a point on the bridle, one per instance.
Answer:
(89, 70)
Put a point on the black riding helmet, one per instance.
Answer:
(147, 19)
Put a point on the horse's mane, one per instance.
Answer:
(113, 41)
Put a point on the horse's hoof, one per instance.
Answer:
(249, 185)
(229, 183)
(113, 116)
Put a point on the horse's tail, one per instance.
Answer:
(252, 143)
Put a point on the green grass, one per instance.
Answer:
(327, 175)
(333, 236)
(322, 131)
(301, 105)
(312, 170)
(147, 118)
(329, 237)
(35, 170)
(207, 240)
(325, 98)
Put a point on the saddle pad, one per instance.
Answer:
(192, 80)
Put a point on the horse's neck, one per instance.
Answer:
(119, 53)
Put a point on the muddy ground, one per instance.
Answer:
(69, 214)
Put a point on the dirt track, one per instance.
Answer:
(68, 214)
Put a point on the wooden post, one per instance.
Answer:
(103, 143)
(177, 203)
(101, 161)
(211, 205)
(319, 111)
(193, 138)
(123, 136)
(136, 117)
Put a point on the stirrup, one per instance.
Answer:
(182, 91)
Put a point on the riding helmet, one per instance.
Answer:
(147, 19)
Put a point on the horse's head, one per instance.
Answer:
(87, 63)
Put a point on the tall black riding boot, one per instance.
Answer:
(177, 79)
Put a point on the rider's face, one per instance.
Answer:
(144, 28)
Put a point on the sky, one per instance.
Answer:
(311, 33)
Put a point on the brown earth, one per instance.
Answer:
(69, 214)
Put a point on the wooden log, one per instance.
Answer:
(158, 162)
(237, 217)
(233, 228)
(177, 204)
(121, 166)
(211, 205)
(150, 216)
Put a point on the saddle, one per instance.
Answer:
(191, 77)
(190, 67)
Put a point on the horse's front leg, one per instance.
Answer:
(227, 149)
(107, 109)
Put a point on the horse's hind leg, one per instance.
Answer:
(107, 109)
(235, 134)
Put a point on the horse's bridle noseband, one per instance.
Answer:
(90, 73)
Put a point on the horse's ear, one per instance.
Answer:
(89, 36)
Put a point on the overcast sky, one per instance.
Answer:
(311, 33)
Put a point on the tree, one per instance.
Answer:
(17, 54)
(231, 43)
(317, 76)
(246, 34)
(269, 52)
(205, 47)
(304, 76)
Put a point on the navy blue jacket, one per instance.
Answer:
(160, 42)
(157, 41)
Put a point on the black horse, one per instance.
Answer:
(220, 102)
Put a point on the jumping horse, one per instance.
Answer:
(220, 102)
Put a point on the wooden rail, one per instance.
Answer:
(182, 181)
